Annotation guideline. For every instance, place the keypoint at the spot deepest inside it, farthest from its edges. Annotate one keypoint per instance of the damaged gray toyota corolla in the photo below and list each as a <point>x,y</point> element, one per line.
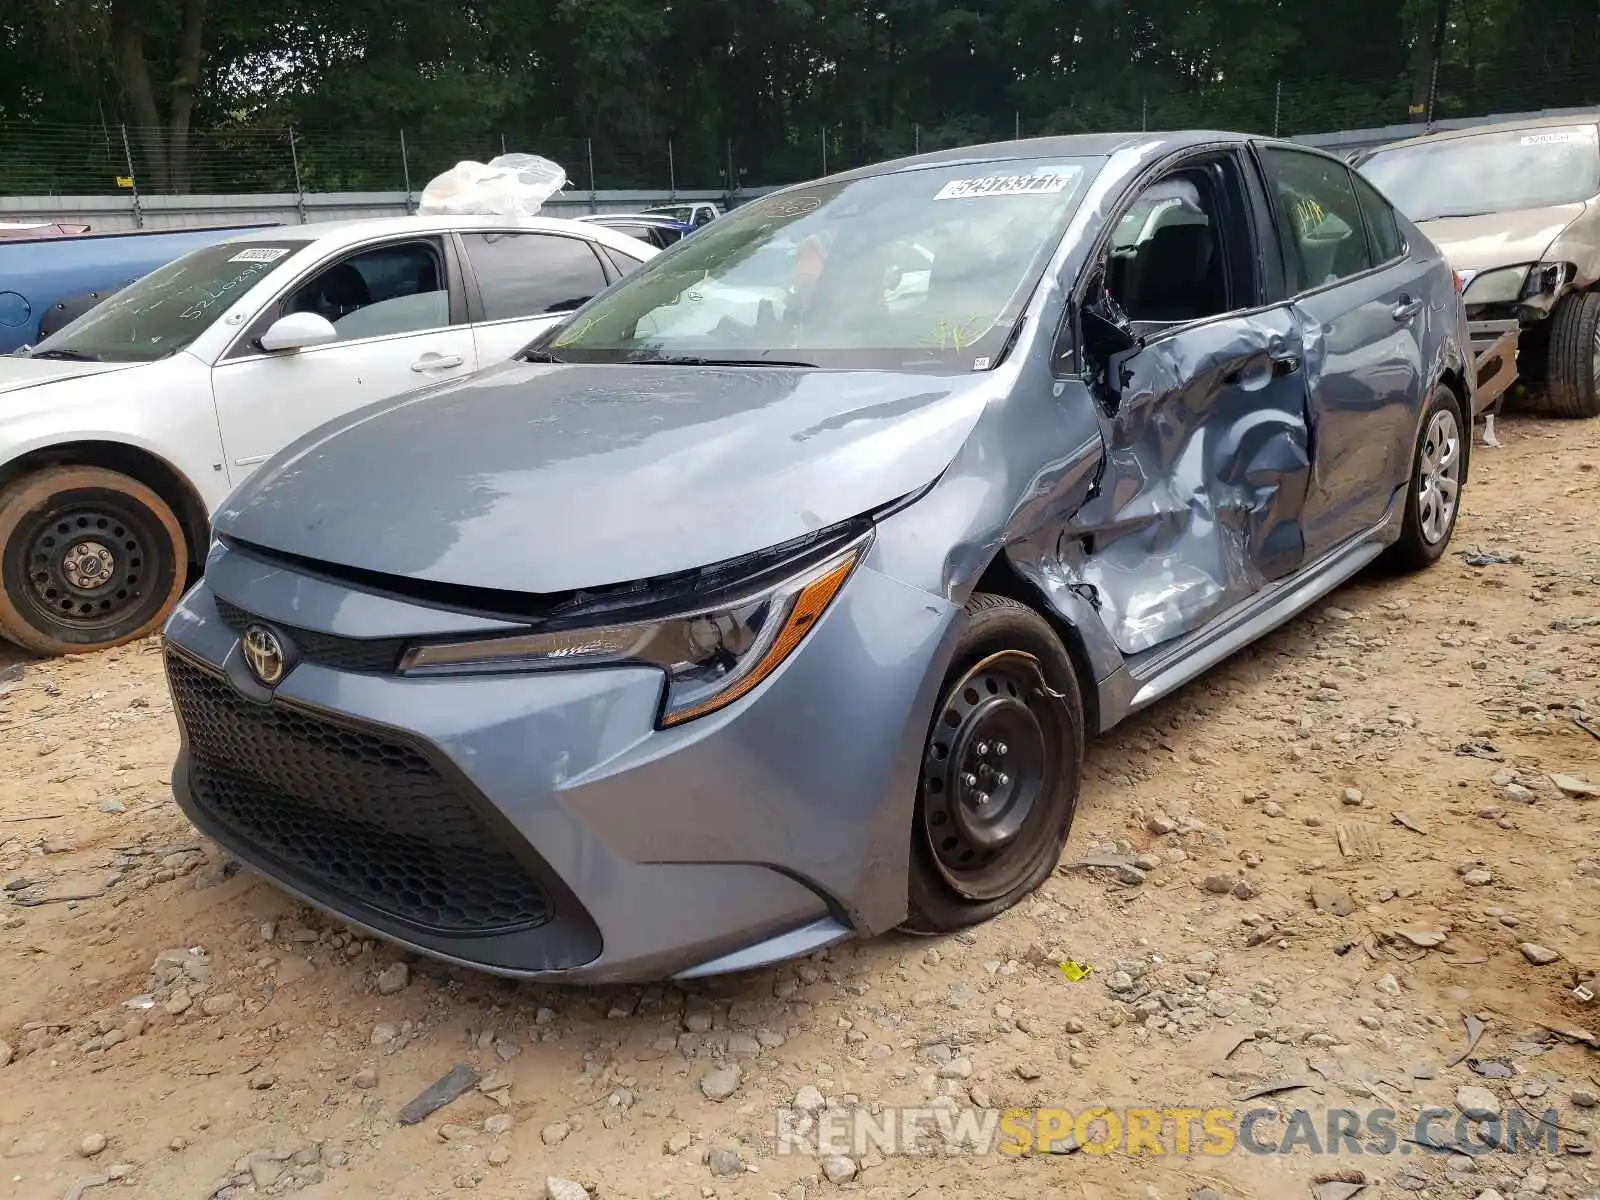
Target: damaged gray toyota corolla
<point>771,599</point>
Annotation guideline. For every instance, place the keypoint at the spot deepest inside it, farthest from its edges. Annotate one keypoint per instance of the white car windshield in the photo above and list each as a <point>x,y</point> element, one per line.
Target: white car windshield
<point>163,312</point>
<point>914,270</point>
<point>1491,172</point>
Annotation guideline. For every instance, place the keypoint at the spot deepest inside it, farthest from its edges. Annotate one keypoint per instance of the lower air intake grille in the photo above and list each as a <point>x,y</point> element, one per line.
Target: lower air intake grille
<point>357,813</point>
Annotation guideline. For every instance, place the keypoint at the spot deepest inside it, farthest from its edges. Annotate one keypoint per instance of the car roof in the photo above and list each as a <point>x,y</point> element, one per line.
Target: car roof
<point>352,232</point>
<point>1077,145</point>
<point>1453,135</point>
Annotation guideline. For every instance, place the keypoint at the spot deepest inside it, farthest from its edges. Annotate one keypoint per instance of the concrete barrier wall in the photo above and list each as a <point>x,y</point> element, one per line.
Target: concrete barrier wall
<point>109,214</point>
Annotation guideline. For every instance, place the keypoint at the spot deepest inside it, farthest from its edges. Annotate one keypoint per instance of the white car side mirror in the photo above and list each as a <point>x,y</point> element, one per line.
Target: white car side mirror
<point>299,331</point>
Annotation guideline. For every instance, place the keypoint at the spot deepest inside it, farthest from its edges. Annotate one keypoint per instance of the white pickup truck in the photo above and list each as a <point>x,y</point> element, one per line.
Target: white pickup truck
<point>122,433</point>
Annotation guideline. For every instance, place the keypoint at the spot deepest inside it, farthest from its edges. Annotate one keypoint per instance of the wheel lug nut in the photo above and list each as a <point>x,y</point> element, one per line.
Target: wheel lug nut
<point>1002,779</point>
<point>1000,749</point>
<point>982,797</point>
<point>970,779</point>
<point>983,748</point>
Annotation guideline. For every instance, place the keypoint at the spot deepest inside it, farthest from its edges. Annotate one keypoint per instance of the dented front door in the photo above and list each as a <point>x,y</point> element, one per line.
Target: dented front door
<point>1205,479</point>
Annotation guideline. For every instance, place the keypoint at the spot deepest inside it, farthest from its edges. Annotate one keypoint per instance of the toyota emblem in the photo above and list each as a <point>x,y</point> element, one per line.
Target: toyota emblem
<point>263,654</point>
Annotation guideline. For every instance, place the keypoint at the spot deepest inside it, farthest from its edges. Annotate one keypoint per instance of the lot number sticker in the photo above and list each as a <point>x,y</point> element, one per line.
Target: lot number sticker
<point>1003,185</point>
<point>260,254</point>
<point>1555,137</point>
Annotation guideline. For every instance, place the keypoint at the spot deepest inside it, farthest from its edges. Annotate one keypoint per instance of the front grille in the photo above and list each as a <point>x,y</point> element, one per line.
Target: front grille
<point>368,655</point>
<point>360,815</point>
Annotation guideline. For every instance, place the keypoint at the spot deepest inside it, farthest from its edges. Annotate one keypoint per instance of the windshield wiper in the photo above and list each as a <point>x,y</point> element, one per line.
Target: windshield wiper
<point>64,355</point>
<point>691,360</point>
<point>539,356</point>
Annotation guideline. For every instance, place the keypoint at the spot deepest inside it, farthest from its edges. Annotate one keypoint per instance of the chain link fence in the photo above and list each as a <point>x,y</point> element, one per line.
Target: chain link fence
<point>42,159</point>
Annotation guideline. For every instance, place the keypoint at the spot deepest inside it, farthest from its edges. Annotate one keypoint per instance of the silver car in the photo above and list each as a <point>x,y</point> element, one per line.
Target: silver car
<point>678,647</point>
<point>1516,209</point>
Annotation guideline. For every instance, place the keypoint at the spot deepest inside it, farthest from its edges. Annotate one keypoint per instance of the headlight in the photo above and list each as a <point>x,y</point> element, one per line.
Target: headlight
<point>1548,279</point>
<point>1503,286</point>
<point>711,656</point>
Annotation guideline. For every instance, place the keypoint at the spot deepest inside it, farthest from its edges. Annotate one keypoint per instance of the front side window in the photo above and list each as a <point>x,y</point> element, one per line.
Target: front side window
<point>1168,253</point>
<point>383,292</point>
<point>532,274</point>
<point>1321,217</point>
<point>164,312</point>
<point>1490,172</point>
<point>923,269</point>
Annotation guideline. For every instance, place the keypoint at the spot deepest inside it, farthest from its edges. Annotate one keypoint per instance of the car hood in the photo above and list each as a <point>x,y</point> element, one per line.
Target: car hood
<point>1482,243</point>
<point>548,478</point>
<point>19,373</point>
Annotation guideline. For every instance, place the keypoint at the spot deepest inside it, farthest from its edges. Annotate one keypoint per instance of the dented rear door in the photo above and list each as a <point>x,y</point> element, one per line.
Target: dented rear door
<point>1205,479</point>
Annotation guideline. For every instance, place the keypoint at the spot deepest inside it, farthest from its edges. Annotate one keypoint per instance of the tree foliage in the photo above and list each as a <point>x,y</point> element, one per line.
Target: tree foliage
<point>771,88</point>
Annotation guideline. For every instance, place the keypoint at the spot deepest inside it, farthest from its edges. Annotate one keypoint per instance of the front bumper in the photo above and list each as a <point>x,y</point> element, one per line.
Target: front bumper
<point>539,825</point>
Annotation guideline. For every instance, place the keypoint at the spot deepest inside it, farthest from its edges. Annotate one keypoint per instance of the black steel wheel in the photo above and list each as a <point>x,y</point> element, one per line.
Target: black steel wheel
<point>1000,773</point>
<point>89,559</point>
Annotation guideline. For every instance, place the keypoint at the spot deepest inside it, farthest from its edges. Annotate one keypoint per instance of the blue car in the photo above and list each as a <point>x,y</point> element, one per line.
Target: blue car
<point>47,283</point>
<point>659,232</point>
<point>771,599</point>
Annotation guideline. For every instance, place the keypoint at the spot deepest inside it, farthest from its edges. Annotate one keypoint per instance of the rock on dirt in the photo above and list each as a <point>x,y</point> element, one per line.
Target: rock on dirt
<point>838,1168</point>
<point>1539,956</point>
<point>393,978</point>
<point>721,1082</point>
<point>1476,1102</point>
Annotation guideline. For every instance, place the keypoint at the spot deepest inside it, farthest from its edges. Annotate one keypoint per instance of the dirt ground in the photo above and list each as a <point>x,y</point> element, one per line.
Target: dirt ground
<point>1328,861</point>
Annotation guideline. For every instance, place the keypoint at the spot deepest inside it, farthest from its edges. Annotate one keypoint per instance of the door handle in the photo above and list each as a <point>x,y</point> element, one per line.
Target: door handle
<point>1258,373</point>
<point>1406,309</point>
<point>436,362</point>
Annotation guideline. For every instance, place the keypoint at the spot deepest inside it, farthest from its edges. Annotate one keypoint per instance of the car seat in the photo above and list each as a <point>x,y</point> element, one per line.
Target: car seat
<point>1173,277</point>
<point>339,291</point>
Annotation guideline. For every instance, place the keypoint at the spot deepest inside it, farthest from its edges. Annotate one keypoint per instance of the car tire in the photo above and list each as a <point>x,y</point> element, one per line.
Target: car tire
<point>1572,372</point>
<point>89,558</point>
<point>1010,677</point>
<point>1426,528</point>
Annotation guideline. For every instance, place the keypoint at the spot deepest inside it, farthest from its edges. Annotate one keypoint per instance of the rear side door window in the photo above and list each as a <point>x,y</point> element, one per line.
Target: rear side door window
<point>624,264</point>
<point>1319,214</point>
<point>1382,227</point>
<point>532,274</point>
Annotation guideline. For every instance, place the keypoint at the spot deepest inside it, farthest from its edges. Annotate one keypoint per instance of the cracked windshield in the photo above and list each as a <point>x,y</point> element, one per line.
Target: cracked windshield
<point>917,270</point>
<point>165,311</point>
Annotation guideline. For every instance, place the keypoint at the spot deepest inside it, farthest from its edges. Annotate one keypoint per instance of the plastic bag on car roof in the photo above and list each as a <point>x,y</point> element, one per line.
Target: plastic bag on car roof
<point>511,185</point>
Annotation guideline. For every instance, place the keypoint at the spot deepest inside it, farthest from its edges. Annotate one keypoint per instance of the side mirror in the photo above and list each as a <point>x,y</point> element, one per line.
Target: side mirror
<point>298,331</point>
<point>1108,343</point>
<point>1105,337</point>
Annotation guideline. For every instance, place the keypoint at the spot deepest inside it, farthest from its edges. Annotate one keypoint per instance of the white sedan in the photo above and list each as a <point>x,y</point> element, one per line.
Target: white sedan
<point>122,432</point>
